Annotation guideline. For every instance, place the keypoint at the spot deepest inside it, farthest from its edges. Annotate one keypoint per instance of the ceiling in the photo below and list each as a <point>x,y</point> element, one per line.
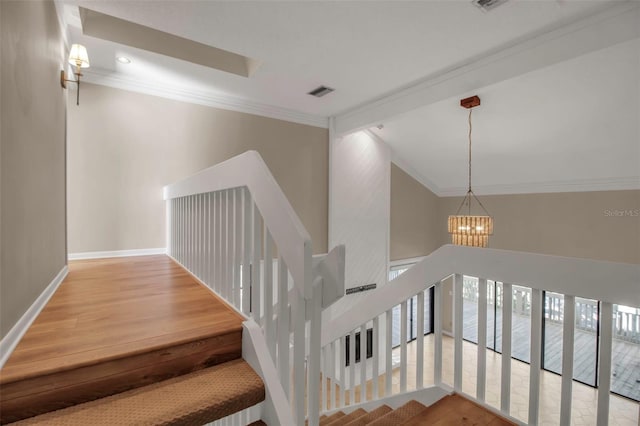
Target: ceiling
<point>579,111</point>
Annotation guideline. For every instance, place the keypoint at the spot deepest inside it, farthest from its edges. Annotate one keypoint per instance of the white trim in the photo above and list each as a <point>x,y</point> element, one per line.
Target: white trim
<point>566,275</point>
<point>578,185</point>
<point>216,100</point>
<point>117,253</point>
<point>407,261</point>
<point>10,341</point>
<point>552,44</point>
<point>276,408</point>
<point>426,396</point>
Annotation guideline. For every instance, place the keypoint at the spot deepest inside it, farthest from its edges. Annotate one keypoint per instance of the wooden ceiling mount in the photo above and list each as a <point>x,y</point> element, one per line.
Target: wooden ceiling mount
<point>471,102</point>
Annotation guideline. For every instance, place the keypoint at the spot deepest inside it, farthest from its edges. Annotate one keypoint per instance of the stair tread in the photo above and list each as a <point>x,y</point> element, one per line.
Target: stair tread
<point>195,398</point>
<point>370,416</point>
<point>349,417</point>
<point>400,414</point>
<point>114,325</point>
<point>157,305</point>
<point>455,409</point>
<point>331,418</point>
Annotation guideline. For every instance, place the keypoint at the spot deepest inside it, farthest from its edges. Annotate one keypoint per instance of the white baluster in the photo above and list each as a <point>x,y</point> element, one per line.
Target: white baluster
<point>420,342</point>
<point>375,359</point>
<point>218,231</point>
<point>268,293</point>
<point>332,381</point>
<point>363,362</point>
<point>482,339</point>
<point>534,356</point>
<point>283,325</point>
<point>568,333</point>
<point>256,304</point>
<point>604,356</point>
<point>325,369</point>
<point>247,206</point>
<point>237,283</point>
<point>343,362</point>
<point>314,354</point>
<point>212,240</point>
<point>299,318</point>
<point>232,247</point>
<point>352,367</point>
<point>403,346</point>
<point>437,334</point>
<point>389,361</point>
<point>457,334</point>
<point>505,392</point>
<point>225,283</point>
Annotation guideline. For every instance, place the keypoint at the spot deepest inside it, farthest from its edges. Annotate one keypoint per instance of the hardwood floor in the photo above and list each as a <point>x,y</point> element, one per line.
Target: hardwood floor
<point>116,324</point>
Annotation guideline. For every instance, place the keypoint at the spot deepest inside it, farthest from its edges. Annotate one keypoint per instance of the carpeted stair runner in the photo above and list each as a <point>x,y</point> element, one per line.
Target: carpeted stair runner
<point>193,399</point>
<point>348,418</point>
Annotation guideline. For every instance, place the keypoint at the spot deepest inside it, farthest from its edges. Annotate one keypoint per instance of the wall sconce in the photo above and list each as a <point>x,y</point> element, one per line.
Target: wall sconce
<point>79,58</point>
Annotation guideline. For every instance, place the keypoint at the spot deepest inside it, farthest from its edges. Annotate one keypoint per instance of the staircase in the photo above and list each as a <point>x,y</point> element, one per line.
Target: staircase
<point>129,341</point>
<point>451,410</point>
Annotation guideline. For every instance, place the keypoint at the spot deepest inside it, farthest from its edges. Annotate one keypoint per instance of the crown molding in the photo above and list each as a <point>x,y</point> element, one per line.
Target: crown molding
<point>232,103</point>
<point>582,185</point>
<point>557,43</point>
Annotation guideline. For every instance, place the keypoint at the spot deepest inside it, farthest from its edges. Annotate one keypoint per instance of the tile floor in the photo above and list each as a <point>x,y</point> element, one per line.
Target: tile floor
<point>622,411</point>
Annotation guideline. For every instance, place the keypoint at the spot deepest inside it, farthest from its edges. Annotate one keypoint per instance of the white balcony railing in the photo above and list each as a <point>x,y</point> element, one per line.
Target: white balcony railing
<point>524,276</point>
<point>225,225</point>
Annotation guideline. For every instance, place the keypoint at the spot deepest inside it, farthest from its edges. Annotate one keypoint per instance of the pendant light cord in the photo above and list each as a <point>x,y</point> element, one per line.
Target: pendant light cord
<point>470,128</point>
<point>470,193</point>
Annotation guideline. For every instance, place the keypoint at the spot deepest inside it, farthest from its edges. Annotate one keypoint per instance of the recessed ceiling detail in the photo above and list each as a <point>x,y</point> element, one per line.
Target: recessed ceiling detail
<point>121,31</point>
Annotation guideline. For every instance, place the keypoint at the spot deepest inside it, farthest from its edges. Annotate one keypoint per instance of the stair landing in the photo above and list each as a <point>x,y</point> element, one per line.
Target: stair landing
<point>114,325</point>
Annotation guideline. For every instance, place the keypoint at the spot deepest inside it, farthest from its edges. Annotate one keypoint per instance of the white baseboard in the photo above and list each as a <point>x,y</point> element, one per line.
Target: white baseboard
<point>117,253</point>
<point>9,342</point>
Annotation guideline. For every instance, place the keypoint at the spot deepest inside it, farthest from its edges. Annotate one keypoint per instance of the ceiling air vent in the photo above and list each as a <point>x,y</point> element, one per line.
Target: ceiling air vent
<point>319,92</point>
<point>487,5</point>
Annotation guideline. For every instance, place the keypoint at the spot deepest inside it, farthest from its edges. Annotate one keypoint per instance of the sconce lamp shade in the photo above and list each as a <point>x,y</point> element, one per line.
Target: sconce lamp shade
<point>78,56</point>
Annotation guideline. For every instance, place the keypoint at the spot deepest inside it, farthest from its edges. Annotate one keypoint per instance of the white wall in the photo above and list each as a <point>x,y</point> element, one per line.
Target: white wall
<point>359,174</point>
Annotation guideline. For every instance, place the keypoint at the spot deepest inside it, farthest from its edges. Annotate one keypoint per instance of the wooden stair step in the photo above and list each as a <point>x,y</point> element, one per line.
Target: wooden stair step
<point>400,414</point>
<point>257,423</point>
<point>370,416</point>
<point>455,409</point>
<point>196,398</point>
<point>331,418</point>
<point>114,325</point>
<point>349,417</point>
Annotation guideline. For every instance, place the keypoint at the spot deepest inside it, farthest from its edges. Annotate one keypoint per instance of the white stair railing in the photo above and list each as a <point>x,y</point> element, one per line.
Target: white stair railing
<point>224,225</point>
<point>569,276</point>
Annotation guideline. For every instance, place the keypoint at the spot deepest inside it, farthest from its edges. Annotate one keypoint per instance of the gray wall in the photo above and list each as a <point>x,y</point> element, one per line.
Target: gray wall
<point>576,224</point>
<point>125,146</point>
<point>415,228</point>
<point>32,206</point>
<point>590,225</point>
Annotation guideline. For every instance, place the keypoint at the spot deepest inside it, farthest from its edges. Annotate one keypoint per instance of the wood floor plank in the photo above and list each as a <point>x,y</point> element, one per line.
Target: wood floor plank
<point>116,324</point>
